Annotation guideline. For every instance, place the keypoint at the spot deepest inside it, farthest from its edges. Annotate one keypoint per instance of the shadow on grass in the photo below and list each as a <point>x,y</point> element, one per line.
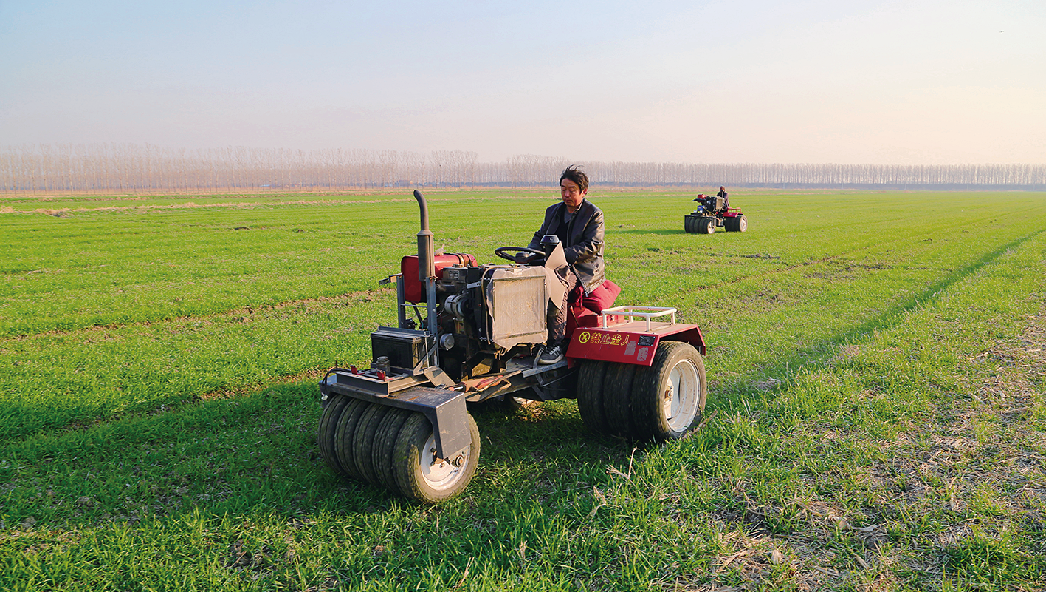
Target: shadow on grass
<point>258,452</point>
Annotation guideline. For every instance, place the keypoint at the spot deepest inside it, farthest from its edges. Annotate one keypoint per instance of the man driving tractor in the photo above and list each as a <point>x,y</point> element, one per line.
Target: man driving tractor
<point>580,228</point>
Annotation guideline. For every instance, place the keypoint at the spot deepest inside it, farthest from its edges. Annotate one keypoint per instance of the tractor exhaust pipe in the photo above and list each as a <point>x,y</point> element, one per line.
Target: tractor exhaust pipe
<point>426,249</point>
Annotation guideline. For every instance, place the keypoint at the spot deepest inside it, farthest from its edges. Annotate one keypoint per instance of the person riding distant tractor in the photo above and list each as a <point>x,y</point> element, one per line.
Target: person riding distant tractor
<point>581,230</point>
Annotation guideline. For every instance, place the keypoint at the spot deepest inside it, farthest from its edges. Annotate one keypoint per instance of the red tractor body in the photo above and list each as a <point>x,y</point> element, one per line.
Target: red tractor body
<point>471,332</point>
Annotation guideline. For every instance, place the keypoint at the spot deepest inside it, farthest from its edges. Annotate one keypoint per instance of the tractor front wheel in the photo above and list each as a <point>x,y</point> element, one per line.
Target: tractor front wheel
<point>345,437</point>
<point>325,436</point>
<point>706,226</point>
<point>419,473</point>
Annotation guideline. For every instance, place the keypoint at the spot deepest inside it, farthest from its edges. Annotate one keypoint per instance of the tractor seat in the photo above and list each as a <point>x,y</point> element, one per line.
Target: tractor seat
<point>602,297</point>
<point>585,310</point>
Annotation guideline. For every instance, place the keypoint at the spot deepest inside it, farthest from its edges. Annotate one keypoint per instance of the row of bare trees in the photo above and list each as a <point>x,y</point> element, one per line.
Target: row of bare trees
<point>131,168</point>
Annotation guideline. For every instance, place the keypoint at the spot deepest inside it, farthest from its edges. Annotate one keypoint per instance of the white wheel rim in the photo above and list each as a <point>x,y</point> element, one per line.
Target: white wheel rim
<point>679,401</point>
<point>742,225</point>
<point>441,474</point>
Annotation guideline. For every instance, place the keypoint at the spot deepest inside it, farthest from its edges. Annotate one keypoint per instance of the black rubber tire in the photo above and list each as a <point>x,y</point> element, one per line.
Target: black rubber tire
<point>663,410</point>
<point>590,395</point>
<point>414,445</point>
<point>346,434</point>
<point>384,442</point>
<point>617,399</point>
<point>690,224</point>
<point>328,429</point>
<point>730,224</point>
<point>742,223</point>
<point>706,226</point>
<point>363,441</point>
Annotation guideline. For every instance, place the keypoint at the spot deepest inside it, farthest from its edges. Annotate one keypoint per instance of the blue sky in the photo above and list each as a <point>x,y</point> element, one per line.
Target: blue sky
<point>745,81</point>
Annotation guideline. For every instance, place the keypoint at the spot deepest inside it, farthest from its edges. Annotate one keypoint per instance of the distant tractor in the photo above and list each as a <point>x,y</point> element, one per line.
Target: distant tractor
<point>711,212</point>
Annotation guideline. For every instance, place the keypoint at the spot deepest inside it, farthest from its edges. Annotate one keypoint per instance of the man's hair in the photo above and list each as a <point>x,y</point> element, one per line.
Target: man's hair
<point>575,174</point>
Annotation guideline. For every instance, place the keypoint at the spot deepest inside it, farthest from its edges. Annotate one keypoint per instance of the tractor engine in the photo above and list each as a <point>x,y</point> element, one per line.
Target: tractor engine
<point>709,204</point>
<point>485,314</point>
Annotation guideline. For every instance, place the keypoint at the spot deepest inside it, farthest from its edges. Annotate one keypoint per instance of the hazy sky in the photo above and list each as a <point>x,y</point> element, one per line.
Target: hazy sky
<point>740,81</point>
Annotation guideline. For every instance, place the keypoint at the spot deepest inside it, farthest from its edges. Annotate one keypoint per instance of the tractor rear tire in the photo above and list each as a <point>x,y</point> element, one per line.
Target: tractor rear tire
<point>345,435</point>
<point>617,399</point>
<point>668,397</point>
<point>414,466</point>
<point>730,224</point>
<point>742,223</point>
<point>706,226</point>
<point>328,429</point>
<point>590,395</point>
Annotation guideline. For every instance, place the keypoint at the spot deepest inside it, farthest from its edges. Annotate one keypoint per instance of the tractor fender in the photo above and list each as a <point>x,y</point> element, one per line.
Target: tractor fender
<point>628,347</point>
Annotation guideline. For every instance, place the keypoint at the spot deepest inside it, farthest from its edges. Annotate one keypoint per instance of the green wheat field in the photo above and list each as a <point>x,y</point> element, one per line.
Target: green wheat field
<point>876,416</point>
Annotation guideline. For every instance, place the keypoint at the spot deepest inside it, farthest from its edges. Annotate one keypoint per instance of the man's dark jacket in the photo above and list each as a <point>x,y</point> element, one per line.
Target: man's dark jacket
<point>583,246</point>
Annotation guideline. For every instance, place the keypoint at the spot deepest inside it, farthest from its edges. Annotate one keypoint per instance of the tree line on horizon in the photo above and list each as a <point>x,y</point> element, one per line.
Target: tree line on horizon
<point>132,168</point>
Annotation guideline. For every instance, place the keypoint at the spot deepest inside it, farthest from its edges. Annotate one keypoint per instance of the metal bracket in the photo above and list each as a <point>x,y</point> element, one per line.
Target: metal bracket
<point>438,377</point>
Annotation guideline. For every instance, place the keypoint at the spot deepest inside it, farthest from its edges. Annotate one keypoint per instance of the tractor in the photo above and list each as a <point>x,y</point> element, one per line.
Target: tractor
<point>712,213</point>
<point>468,333</point>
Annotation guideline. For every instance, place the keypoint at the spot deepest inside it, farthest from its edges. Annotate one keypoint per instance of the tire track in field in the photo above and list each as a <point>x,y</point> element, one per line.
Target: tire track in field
<point>768,272</point>
<point>160,408</point>
<point>246,312</point>
<point>788,268</point>
<point>820,352</point>
<point>826,259</point>
<point>36,357</point>
<point>935,289</point>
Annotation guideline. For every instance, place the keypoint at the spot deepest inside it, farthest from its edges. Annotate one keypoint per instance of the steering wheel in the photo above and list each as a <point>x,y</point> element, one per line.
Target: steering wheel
<point>502,252</point>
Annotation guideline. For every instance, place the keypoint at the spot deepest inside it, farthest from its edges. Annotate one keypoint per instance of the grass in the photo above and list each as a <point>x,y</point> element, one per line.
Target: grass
<point>876,413</point>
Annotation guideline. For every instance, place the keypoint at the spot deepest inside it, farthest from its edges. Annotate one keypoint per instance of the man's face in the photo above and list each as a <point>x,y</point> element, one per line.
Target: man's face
<point>571,194</point>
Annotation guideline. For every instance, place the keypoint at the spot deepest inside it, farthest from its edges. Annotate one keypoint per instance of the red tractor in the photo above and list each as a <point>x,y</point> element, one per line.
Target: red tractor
<point>711,213</point>
<point>471,332</point>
